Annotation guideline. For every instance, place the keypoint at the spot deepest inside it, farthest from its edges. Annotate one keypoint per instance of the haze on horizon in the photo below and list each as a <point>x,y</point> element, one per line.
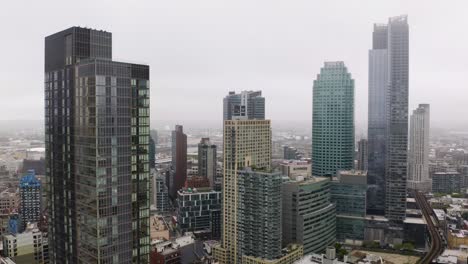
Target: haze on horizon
<point>200,50</point>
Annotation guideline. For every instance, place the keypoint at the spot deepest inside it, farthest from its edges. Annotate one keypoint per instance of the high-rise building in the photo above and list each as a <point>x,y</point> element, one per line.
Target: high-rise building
<point>309,217</point>
<point>447,182</point>
<point>333,120</point>
<point>247,143</point>
<point>348,193</point>
<point>377,120</point>
<point>31,194</point>
<point>418,156</point>
<point>250,227</point>
<point>207,160</point>
<point>97,133</point>
<point>362,155</point>
<point>179,161</point>
<point>259,211</point>
<point>248,104</point>
<point>397,119</point>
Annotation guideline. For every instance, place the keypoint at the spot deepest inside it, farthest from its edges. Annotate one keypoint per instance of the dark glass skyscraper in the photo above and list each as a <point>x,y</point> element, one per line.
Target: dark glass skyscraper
<point>97,134</point>
<point>377,126</point>
<point>397,119</point>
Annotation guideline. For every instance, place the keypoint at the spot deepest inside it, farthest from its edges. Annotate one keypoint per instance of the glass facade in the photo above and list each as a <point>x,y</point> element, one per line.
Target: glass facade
<point>333,120</point>
<point>97,123</point>
<point>309,217</point>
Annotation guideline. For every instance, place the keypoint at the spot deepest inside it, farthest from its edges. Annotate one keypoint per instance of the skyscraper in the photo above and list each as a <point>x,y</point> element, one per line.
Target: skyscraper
<point>152,152</point>
<point>362,163</point>
<point>179,161</point>
<point>207,160</point>
<point>418,156</point>
<point>377,118</point>
<point>97,133</point>
<point>249,104</point>
<point>397,119</point>
<point>247,143</point>
<point>333,120</point>
<point>31,194</point>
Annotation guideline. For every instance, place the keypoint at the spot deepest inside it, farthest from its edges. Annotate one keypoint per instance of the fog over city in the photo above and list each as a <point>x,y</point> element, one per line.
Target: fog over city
<point>200,50</point>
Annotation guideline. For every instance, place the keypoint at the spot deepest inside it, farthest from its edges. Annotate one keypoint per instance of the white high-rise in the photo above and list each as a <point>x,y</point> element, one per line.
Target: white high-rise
<point>418,156</point>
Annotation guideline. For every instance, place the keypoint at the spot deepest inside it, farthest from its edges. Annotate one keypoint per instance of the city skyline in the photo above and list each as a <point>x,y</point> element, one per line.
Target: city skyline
<point>292,49</point>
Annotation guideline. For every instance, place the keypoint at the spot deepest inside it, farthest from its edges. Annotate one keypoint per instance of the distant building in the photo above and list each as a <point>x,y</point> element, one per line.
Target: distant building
<point>198,210</point>
<point>197,182</point>
<point>9,199</point>
<point>247,104</point>
<point>207,160</point>
<point>296,169</point>
<point>179,161</point>
<point>447,182</point>
<point>362,155</point>
<point>348,193</point>
<point>31,194</point>
<point>333,120</point>
<point>259,200</point>
<point>37,165</point>
<point>26,247</point>
<point>418,155</point>
<point>290,153</point>
<point>309,217</point>
<point>160,193</point>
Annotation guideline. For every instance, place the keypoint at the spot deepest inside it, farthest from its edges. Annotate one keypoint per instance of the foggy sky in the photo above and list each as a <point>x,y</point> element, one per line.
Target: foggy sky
<point>199,50</point>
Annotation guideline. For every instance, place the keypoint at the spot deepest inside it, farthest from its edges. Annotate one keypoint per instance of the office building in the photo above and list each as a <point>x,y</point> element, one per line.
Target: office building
<point>309,217</point>
<point>31,194</point>
<point>247,104</point>
<point>259,199</point>
<point>348,193</point>
<point>179,161</point>
<point>333,120</point>
<point>198,210</point>
<point>377,120</point>
<point>207,160</point>
<point>447,182</point>
<point>295,169</point>
<point>97,134</point>
<point>362,155</point>
<point>26,247</point>
<point>418,156</point>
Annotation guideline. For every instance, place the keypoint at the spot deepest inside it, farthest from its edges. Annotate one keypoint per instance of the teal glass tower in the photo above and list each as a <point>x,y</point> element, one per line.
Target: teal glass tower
<point>333,120</point>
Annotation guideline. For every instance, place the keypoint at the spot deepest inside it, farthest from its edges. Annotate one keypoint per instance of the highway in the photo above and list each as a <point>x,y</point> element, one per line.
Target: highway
<point>437,242</point>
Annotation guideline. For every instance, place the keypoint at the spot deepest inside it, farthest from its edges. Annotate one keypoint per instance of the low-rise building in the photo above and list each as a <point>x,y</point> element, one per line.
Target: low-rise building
<point>26,247</point>
<point>296,169</point>
<point>9,199</point>
<point>159,229</point>
<point>289,255</point>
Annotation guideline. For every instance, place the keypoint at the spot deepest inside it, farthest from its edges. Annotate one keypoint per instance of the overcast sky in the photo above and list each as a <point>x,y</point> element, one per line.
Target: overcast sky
<point>199,50</point>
